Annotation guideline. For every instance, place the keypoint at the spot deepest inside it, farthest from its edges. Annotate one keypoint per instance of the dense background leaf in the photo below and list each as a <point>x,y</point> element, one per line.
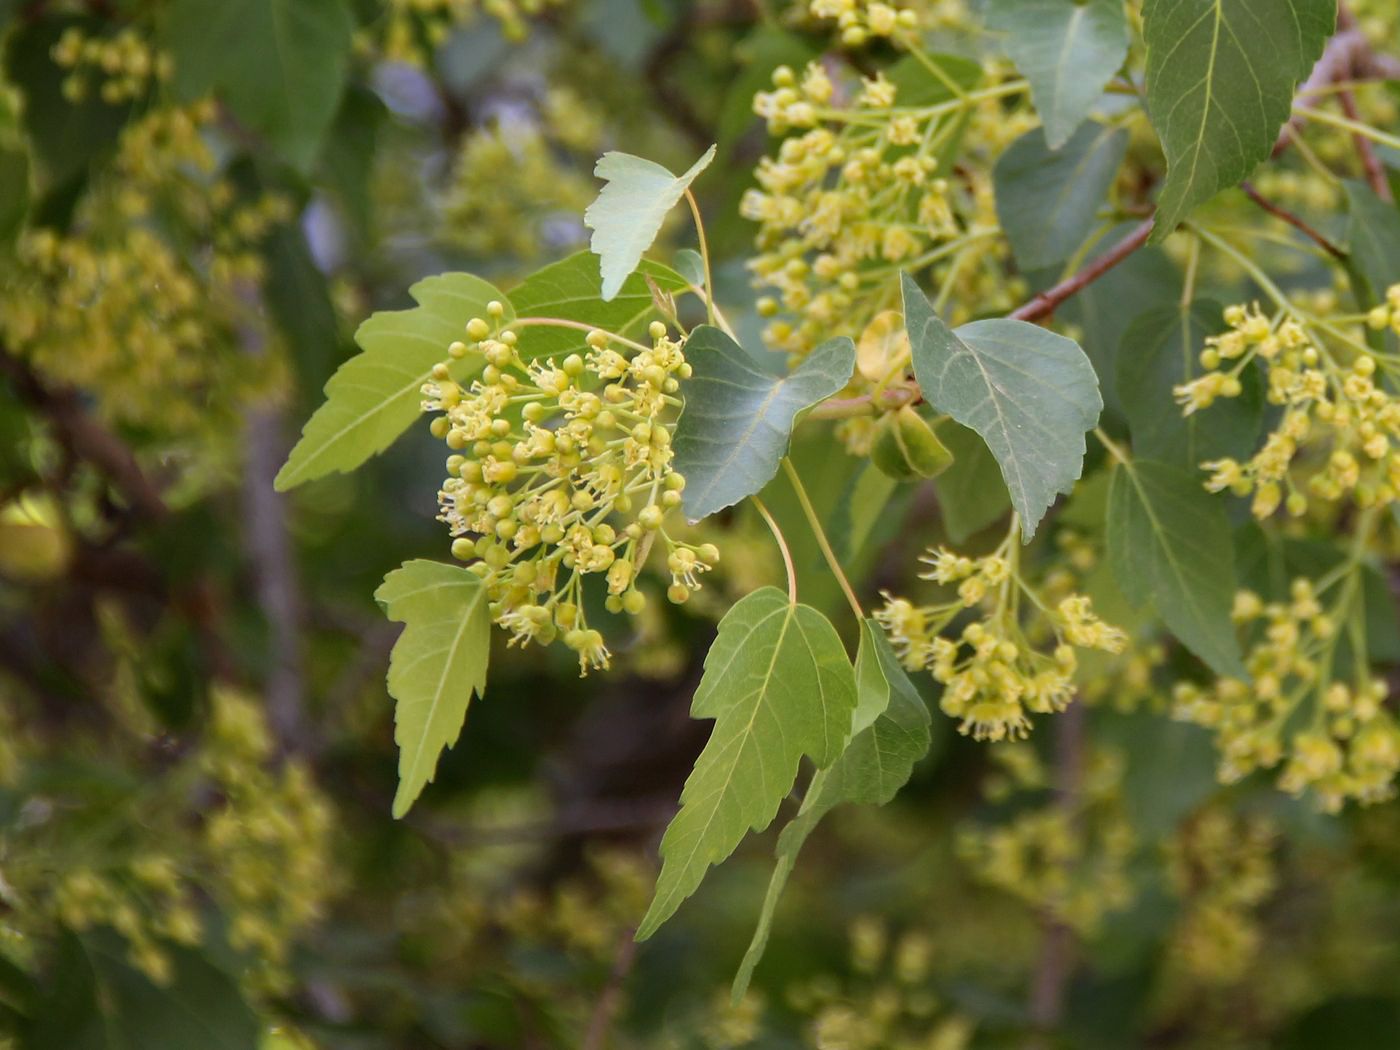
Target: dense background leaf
<point>222,45</point>
<point>1067,49</point>
<point>738,419</point>
<point>1169,543</point>
<point>1047,199</point>
<point>1220,81</point>
<point>1160,350</point>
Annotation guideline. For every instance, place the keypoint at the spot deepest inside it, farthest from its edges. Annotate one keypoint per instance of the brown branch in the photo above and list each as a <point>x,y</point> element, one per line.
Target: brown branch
<point>1348,55</point>
<point>1292,220</point>
<point>269,549</point>
<point>1375,172</point>
<point>1055,965</point>
<point>1045,303</point>
<point>85,437</point>
<point>1036,308</point>
<point>611,996</point>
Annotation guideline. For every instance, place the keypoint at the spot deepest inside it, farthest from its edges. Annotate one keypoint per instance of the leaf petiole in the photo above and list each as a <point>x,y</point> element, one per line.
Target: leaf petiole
<point>820,535</point>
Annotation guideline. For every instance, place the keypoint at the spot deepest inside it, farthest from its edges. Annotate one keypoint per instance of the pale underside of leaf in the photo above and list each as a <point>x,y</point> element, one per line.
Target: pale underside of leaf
<point>629,210</point>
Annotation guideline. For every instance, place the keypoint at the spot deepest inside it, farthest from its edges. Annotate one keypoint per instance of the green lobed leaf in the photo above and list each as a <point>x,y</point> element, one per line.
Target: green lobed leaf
<point>889,735</point>
<point>738,419</point>
<point>1067,49</point>
<point>1159,352</point>
<point>1047,199</point>
<point>279,64</point>
<point>1169,542</point>
<point>1220,81</point>
<point>376,395</point>
<point>1030,394</point>
<point>779,686</point>
<point>437,664</point>
<point>629,211</point>
<point>571,290</point>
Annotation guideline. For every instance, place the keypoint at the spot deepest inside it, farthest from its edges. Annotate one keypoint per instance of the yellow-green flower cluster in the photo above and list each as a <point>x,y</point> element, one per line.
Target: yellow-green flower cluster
<point>139,301</point>
<point>1222,868</point>
<point>125,64</point>
<point>413,29</point>
<point>991,672</point>
<point>1335,738</point>
<point>1068,861</point>
<point>516,194</point>
<point>267,845</point>
<point>147,899</point>
<point>859,20</point>
<point>1340,424</point>
<point>887,1003</point>
<point>561,469</point>
<point>859,194</point>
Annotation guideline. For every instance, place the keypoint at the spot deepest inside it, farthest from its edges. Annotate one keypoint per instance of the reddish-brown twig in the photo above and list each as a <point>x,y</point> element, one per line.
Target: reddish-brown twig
<point>1045,303</point>
<point>1292,220</point>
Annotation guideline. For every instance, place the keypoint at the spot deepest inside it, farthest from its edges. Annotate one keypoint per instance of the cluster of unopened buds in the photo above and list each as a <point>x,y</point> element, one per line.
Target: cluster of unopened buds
<point>125,64</point>
<point>1222,868</point>
<point>1070,862</point>
<point>991,673</point>
<point>1387,314</point>
<point>1337,737</point>
<point>1344,411</point>
<point>561,470</point>
<point>834,200</point>
<point>859,20</point>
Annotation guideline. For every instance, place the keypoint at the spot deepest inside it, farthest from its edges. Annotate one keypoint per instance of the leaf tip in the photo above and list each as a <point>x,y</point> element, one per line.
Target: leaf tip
<point>404,798</point>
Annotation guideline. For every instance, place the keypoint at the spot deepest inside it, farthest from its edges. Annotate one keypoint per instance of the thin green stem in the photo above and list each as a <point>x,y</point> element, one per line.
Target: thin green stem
<point>1356,127</point>
<point>1114,449</point>
<point>810,513</point>
<point>1188,282</point>
<point>704,255</point>
<point>931,64</point>
<point>559,322</point>
<point>782,546</point>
